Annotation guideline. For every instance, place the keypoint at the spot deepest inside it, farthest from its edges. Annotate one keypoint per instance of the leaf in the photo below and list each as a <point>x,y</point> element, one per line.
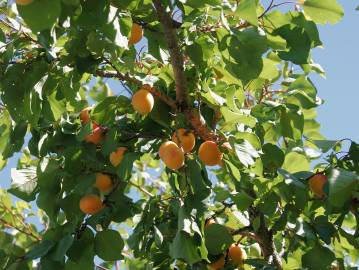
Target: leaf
<point>325,145</point>
<point>109,245</point>
<point>296,162</point>
<point>311,261</point>
<point>273,157</point>
<point>183,248</point>
<point>24,182</point>
<point>62,247</point>
<point>218,239</point>
<point>39,250</point>
<point>246,153</point>
<point>50,10</point>
<point>341,185</point>
<point>58,107</point>
<point>242,200</point>
<point>158,236</point>
<point>323,12</point>
<point>247,11</point>
<point>124,170</point>
<point>199,184</point>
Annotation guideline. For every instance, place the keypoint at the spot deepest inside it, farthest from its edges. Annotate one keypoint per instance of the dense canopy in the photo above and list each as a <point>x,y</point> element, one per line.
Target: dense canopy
<point>170,134</point>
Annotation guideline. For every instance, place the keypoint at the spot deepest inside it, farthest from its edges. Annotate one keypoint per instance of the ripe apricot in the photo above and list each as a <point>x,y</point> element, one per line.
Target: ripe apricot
<point>219,264</point>
<point>236,254</point>
<point>184,139</point>
<point>172,156</point>
<point>316,184</point>
<point>117,156</point>
<point>165,147</point>
<point>96,136</point>
<point>209,222</point>
<point>103,182</point>
<point>136,34</point>
<point>85,115</point>
<point>143,101</point>
<point>91,204</point>
<point>23,2</point>
<point>209,153</point>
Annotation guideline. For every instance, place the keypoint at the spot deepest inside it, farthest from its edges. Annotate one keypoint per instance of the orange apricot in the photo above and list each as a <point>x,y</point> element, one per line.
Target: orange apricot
<point>96,136</point>
<point>23,2</point>
<point>103,182</point>
<point>219,264</point>
<point>143,101</point>
<point>173,157</point>
<point>165,147</point>
<point>236,254</point>
<point>185,139</point>
<point>91,204</point>
<point>117,156</point>
<point>209,153</point>
<point>85,115</point>
<point>136,34</point>
<point>316,184</point>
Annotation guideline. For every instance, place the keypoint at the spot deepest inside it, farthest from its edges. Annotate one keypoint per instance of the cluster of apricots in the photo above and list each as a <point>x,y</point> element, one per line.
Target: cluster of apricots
<point>172,153</point>
<point>92,203</point>
<point>234,253</point>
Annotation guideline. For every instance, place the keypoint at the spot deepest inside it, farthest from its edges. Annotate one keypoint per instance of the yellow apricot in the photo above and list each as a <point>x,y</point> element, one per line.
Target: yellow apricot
<point>91,204</point>
<point>316,184</point>
<point>209,153</point>
<point>237,254</point>
<point>173,157</point>
<point>117,156</point>
<point>103,182</point>
<point>23,2</point>
<point>136,34</point>
<point>143,101</point>
<point>219,264</point>
<point>186,139</point>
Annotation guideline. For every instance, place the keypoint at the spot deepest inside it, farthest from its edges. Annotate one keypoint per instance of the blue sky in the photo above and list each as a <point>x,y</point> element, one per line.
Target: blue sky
<point>340,59</point>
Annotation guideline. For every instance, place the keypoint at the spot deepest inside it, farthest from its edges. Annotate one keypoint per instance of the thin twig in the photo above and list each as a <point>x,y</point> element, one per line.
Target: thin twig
<point>27,232</point>
<point>141,189</point>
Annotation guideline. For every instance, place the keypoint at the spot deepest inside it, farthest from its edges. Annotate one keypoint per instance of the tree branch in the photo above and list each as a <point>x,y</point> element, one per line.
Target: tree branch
<point>175,54</point>
<point>27,231</point>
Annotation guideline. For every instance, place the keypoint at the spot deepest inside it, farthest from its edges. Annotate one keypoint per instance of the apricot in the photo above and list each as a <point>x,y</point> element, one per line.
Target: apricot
<point>316,184</point>
<point>209,222</point>
<point>136,34</point>
<point>96,136</point>
<point>117,156</point>
<point>23,2</point>
<point>91,204</point>
<point>237,254</point>
<point>219,264</point>
<point>143,101</point>
<point>173,157</point>
<point>209,153</point>
<point>165,147</point>
<point>85,115</point>
<point>103,182</point>
<point>185,139</point>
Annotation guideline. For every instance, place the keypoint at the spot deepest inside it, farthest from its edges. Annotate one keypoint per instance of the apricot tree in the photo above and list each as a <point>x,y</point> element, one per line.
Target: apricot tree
<point>173,134</point>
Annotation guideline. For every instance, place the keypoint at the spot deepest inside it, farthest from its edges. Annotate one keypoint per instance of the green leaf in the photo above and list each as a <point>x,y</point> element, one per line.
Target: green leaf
<point>218,239</point>
<point>242,200</point>
<point>62,247</point>
<point>246,153</point>
<point>124,170</point>
<point>325,145</point>
<point>50,10</point>
<point>197,180</point>
<point>58,106</point>
<point>311,258</point>
<point>341,185</point>
<point>184,248</point>
<point>273,157</point>
<point>323,12</point>
<point>246,10</point>
<point>109,245</point>
<point>24,183</point>
<point>39,250</point>
<point>296,162</point>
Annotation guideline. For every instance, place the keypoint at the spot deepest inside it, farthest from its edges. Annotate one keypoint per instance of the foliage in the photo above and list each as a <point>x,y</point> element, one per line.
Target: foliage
<point>234,72</point>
